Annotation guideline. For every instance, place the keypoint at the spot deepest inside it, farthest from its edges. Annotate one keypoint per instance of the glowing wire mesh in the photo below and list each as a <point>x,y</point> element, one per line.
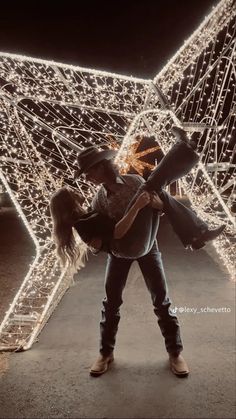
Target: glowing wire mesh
<point>50,111</point>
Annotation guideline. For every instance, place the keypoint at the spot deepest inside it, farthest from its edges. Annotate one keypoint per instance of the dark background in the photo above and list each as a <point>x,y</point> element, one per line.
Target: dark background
<point>128,37</point>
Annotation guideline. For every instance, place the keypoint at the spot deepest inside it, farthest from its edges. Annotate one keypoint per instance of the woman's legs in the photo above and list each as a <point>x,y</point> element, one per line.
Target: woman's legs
<point>141,236</point>
<point>176,163</point>
<point>186,224</point>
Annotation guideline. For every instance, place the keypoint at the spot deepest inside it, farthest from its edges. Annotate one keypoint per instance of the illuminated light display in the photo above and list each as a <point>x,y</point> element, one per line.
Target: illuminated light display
<point>50,111</point>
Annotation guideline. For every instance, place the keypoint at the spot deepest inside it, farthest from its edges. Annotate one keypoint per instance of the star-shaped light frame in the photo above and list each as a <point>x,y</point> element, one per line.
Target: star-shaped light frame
<point>50,111</point>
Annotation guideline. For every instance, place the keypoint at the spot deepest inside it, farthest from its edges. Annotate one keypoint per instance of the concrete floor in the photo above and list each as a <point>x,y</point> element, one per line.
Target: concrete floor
<point>52,381</point>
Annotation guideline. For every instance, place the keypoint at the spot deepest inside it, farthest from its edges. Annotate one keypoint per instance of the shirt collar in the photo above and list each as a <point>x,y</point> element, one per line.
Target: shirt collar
<point>119,180</point>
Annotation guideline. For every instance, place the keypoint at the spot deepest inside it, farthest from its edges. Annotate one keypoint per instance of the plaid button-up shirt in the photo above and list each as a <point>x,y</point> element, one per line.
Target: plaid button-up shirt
<point>114,203</point>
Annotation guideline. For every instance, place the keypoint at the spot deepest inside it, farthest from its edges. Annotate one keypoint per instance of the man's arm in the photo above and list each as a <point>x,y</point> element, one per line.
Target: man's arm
<point>126,222</point>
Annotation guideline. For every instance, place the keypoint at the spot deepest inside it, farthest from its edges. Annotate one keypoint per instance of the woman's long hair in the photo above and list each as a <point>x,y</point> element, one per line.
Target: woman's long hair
<point>63,208</point>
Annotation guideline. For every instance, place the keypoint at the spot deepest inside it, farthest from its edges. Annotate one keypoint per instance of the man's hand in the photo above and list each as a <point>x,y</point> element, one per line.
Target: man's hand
<point>155,201</point>
<point>142,200</point>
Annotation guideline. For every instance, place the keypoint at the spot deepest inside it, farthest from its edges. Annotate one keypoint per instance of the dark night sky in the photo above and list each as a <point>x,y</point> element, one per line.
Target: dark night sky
<point>128,37</point>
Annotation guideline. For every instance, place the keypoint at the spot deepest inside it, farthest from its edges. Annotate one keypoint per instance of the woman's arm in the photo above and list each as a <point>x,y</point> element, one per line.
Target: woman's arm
<point>126,222</point>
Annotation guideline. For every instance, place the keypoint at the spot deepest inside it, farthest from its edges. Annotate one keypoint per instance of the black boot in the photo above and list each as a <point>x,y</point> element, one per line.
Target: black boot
<point>181,135</point>
<point>207,236</point>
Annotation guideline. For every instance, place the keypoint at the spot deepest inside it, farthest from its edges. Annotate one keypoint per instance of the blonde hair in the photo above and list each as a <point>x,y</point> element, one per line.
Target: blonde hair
<point>63,208</point>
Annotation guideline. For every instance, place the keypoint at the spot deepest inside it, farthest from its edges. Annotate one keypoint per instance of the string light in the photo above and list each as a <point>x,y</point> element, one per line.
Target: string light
<point>50,111</point>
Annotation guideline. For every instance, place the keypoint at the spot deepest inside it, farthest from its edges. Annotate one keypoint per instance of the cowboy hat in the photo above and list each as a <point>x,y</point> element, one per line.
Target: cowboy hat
<point>91,156</point>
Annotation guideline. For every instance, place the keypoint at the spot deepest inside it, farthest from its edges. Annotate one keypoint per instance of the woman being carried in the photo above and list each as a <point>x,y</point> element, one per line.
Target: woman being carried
<point>134,235</point>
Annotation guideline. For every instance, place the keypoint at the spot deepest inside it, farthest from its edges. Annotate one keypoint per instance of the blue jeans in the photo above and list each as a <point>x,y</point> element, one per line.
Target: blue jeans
<point>177,163</point>
<point>184,221</point>
<point>153,272</point>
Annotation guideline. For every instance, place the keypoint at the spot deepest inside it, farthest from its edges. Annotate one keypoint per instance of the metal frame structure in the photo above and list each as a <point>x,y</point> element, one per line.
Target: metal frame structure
<point>50,111</point>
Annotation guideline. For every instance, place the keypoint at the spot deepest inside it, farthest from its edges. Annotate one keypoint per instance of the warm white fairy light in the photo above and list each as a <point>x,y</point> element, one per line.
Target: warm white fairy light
<point>199,83</point>
<point>49,111</point>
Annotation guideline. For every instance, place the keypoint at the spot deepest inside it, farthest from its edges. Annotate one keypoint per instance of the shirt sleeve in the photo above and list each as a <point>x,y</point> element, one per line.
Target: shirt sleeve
<point>98,203</point>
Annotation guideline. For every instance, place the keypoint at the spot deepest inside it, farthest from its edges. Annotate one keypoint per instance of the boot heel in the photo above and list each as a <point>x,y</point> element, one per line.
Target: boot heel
<point>197,244</point>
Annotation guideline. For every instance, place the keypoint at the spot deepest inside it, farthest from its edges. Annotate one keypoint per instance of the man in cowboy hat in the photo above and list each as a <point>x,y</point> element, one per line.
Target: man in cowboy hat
<point>113,197</point>
<point>89,158</point>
